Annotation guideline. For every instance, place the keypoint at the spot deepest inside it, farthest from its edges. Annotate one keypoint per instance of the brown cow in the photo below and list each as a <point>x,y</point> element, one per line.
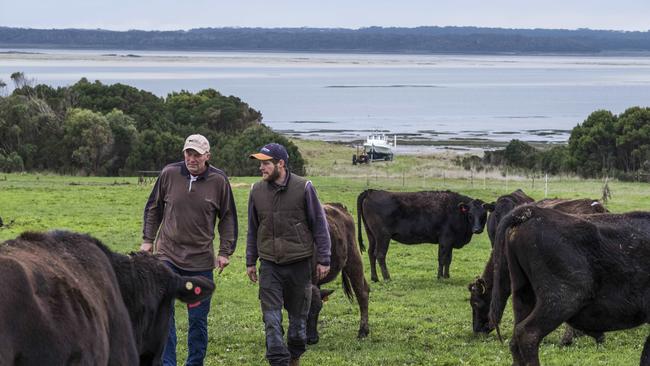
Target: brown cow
<point>345,259</point>
<point>66,299</point>
<point>481,289</point>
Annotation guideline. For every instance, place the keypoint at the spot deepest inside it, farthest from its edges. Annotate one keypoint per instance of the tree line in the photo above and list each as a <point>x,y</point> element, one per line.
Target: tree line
<point>371,39</point>
<point>98,129</point>
<point>603,145</point>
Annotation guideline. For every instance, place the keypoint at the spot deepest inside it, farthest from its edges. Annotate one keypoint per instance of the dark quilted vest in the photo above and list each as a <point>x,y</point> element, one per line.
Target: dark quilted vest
<point>283,235</point>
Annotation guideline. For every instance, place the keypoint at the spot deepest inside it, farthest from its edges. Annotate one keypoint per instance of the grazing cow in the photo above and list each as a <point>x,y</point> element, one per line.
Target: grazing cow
<point>481,289</point>
<point>443,217</point>
<point>346,259</point>
<point>501,207</point>
<point>68,300</point>
<point>591,271</point>
<point>580,206</point>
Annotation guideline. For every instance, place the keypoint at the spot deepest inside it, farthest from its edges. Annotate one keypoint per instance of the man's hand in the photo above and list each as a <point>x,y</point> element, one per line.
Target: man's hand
<point>322,271</point>
<point>146,247</point>
<point>221,262</point>
<point>251,271</point>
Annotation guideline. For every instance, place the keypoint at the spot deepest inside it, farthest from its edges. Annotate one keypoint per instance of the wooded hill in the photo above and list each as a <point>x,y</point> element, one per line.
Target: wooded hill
<point>372,40</point>
<point>97,129</point>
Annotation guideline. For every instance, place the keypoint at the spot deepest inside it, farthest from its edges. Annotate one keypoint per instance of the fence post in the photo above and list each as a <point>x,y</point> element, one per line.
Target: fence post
<point>546,185</point>
<point>484,179</point>
<point>533,184</point>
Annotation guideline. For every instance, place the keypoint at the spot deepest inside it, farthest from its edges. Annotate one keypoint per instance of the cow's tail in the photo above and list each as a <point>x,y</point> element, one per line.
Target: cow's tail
<point>501,276</point>
<point>360,199</point>
<point>347,287</point>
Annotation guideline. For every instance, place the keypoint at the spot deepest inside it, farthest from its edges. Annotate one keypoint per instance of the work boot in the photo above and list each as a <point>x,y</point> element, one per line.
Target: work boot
<point>294,362</point>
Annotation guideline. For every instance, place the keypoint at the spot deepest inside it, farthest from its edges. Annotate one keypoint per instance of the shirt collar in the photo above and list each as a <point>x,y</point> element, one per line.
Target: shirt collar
<point>186,172</point>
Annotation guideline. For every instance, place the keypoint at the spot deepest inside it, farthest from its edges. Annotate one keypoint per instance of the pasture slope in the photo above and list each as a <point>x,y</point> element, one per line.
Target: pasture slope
<point>414,319</point>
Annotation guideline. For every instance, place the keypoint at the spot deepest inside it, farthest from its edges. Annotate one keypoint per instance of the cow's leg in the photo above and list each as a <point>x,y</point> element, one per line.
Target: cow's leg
<point>354,271</point>
<point>448,262</point>
<point>570,333</point>
<point>523,302</point>
<point>382,250</point>
<point>312,318</point>
<point>645,355</point>
<point>372,256</point>
<point>527,336</point>
<point>444,259</point>
<point>599,337</point>
<point>534,317</point>
<point>545,317</point>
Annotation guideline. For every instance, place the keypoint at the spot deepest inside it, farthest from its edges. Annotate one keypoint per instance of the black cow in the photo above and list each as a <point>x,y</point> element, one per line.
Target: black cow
<point>345,259</point>
<point>481,289</point>
<point>443,217</point>
<point>580,206</point>
<point>591,271</point>
<point>66,299</point>
<point>501,207</point>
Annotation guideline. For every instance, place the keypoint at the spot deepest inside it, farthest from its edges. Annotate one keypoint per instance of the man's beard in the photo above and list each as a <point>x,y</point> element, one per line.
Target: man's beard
<point>275,174</point>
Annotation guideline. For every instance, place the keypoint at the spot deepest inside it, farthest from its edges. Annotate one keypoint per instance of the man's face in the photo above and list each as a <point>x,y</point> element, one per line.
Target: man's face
<point>195,162</point>
<point>270,171</point>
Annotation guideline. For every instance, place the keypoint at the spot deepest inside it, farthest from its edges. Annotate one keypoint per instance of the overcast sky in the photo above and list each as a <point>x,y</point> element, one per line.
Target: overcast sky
<point>187,14</point>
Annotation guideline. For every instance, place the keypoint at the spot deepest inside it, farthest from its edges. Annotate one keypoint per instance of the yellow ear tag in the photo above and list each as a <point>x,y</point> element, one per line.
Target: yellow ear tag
<point>189,285</point>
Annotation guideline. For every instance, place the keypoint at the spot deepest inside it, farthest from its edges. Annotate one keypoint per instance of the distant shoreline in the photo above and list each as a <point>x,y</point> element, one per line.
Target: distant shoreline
<point>446,40</point>
<point>15,49</point>
<point>418,146</point>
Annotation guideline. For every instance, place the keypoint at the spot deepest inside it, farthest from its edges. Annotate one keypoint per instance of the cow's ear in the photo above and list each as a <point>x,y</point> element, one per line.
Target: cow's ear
<point>489,206</point>
<point>463,207</point>
<point>193,289</point>
<point>324,294</point>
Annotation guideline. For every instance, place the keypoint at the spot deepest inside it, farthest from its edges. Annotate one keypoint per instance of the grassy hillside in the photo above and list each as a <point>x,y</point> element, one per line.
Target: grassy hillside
<point>414,319</point>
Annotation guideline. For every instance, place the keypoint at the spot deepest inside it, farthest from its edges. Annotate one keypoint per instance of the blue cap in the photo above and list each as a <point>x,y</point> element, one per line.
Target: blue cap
<point>272,151</point>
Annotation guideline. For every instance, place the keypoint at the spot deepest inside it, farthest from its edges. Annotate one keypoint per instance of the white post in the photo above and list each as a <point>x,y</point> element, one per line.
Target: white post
<point>484,178</point>
<point>546,186</point>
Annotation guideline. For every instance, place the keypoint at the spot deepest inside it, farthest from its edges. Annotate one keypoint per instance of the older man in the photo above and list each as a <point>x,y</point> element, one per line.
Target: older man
<point>179,220</point>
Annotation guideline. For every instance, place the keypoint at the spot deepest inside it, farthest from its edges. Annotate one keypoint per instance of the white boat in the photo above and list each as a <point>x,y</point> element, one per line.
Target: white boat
<point>378,146</point>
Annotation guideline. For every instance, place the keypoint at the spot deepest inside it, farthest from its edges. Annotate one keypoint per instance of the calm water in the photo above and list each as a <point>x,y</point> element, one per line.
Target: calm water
<point>342,97</point>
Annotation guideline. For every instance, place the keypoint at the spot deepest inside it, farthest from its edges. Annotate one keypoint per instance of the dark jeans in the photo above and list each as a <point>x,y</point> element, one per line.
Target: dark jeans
<point>289,286</point>
<point>197,337</point>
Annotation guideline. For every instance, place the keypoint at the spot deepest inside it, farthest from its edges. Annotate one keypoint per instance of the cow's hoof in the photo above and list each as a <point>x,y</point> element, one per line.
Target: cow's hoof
<point>312,340</point>
<point>363,333</point>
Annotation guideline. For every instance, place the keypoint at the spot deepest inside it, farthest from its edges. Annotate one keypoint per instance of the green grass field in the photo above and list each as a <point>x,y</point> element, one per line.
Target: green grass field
<point>414,319</point>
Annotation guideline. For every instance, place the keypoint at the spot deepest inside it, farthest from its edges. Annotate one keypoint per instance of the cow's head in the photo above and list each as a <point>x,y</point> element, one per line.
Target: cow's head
<point>476,213</point>
<point>149,288</point>
<point>479,299</point>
